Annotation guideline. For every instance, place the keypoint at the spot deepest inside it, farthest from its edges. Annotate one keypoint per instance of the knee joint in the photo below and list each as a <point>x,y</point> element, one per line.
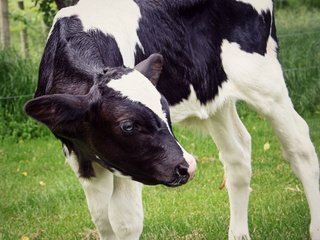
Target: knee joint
<point>127,230</point>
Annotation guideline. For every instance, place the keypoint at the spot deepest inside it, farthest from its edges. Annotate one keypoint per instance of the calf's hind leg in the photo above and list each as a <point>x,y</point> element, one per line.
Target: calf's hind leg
<point>298,150</point>
<point>266,91</point>
<point>258,80</point>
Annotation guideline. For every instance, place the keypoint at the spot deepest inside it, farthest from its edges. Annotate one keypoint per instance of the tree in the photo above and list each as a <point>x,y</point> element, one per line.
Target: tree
<point>65,3</point>
<point>24,33</point>
<point>4,24</point>
<point>49,10</point>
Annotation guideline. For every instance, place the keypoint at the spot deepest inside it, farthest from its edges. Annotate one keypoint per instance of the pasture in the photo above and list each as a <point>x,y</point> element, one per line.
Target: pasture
<point>40,197</point>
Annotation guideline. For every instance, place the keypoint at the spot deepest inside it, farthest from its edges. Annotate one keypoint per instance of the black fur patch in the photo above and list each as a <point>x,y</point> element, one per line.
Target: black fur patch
<point>189,35</point>
<point>73,57</point>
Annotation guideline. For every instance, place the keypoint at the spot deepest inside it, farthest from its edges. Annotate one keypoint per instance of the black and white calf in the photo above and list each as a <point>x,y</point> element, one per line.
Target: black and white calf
<point>110,118</point>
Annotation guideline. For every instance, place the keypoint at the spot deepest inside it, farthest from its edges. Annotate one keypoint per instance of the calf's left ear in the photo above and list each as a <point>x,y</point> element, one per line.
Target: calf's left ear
<point>151,67</point>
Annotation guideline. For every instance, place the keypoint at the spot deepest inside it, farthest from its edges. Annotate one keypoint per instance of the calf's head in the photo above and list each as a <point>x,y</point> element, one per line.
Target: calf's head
<point>123,123</point>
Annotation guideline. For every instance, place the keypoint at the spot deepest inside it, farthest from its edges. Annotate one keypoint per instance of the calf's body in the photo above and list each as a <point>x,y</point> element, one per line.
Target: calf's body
<point>215,52</point>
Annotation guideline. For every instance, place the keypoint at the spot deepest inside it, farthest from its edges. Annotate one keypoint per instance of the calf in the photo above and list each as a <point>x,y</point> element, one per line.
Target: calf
<point>215,52</point>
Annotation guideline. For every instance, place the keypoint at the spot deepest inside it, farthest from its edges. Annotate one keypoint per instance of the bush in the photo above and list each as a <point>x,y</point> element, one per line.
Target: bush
<point>18,78</point>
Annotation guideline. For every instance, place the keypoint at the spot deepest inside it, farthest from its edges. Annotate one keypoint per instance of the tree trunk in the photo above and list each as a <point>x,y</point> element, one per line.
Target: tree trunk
<point>23,34</point>
<point>4,24</point>
<point>66,3</point>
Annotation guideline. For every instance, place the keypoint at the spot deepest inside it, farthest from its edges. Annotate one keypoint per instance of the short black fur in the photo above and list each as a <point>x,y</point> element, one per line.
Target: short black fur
<point>189,35</point>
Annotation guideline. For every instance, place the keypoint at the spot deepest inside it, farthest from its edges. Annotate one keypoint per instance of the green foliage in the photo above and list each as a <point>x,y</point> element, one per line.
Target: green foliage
<point>299,37</point>
<point>32,19</point>
<point>18,79</point>
<point>48,9</point>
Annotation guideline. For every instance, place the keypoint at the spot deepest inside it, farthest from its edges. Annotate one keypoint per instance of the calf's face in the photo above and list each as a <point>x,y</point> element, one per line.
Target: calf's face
<point>123,123</point>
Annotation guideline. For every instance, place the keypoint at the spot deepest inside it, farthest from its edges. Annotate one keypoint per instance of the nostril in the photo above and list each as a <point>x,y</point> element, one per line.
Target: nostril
<point>182,170</point>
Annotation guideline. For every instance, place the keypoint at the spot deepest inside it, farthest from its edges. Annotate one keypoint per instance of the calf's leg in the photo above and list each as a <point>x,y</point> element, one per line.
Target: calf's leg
<point>234,144</point>
<point>298,150</point>
<point>115,203</point>
<point>126,210</point>
<point>98,191</point>
<point>258,80</point>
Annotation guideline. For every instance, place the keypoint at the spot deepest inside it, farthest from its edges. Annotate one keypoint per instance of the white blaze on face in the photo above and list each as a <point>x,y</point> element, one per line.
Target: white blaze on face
<point>137,88</point>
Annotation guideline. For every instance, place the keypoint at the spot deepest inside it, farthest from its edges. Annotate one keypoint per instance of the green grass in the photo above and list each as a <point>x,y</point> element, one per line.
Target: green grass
<point>292,4</point>
<point>198,210</point>
<point>52,211</point>
<point>299,39</point>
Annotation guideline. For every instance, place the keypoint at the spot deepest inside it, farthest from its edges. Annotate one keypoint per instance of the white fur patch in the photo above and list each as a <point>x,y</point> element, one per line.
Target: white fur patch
<point>259,5</point>
<point>192,107</point>
<point>119,174</point>
<point>72,159</point>
<point>272,47</point>
<point>138,88</point>
<point>253,75</point>
<point>245,81</point>
<point>117,18</point>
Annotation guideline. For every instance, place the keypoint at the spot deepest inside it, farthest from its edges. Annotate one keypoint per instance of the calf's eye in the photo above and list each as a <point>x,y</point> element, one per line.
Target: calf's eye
<point>127,126</point>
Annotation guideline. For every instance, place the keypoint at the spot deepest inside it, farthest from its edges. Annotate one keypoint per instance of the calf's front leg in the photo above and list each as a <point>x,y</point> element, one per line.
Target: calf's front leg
<point>98,191</point>
<point>125,209</point>
<point>234,144</point>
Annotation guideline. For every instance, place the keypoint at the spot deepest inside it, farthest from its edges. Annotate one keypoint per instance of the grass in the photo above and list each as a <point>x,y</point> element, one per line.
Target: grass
<point>42,199</point>
<point>40,193</point>
<point>299,39</point>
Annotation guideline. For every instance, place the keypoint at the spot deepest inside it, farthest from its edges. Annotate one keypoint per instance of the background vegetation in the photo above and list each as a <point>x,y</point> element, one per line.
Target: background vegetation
<point>40,197</point>
<point>298,30</point>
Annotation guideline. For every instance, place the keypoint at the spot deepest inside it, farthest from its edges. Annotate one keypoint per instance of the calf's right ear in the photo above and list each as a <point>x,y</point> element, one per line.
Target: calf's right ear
<point>60,112</point>
<point>151,67</point>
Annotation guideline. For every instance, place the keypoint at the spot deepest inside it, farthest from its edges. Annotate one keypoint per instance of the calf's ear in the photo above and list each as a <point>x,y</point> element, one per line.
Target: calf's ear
<point>60,112</point>
<point>151,67</point>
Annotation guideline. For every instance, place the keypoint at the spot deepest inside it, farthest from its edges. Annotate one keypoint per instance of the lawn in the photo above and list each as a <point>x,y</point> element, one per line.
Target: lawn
<point>42,199</point>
